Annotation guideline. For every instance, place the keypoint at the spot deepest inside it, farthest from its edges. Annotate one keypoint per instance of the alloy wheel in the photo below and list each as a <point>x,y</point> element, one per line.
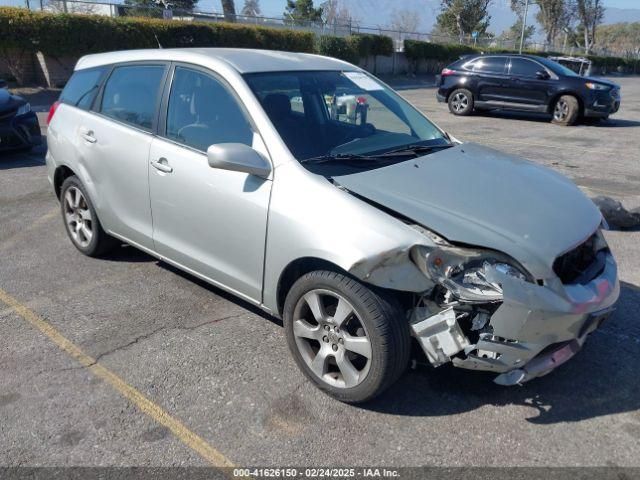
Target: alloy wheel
<point>561,110</point>
<point>78,217</point>
<point>459,102</point>
<point>331,339</point>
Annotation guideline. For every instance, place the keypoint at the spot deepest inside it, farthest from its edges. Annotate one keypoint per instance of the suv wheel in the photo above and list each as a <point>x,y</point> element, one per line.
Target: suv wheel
<point>461,102</point>
<point>351,341</point>
<point>81,220</point>
<point>566,110</point>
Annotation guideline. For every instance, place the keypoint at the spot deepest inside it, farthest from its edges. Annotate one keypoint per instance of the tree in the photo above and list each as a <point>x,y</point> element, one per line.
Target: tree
<point>591,13</point>
<point>153,8</point>
<point>251,8</point>
<point>229,10</point>
<point>404,20</point>
<point>302,10</point>
<point>553,16</point>
<point>620,38</point>
<point>462,17</point>
<point>513,33</point>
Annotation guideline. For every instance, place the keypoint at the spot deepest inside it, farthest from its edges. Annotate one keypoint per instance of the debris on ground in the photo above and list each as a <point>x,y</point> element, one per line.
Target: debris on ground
<point>615,214</point>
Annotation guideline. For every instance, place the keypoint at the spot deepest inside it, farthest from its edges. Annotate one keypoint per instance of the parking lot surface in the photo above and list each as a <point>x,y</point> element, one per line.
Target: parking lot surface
<point>176,372</point>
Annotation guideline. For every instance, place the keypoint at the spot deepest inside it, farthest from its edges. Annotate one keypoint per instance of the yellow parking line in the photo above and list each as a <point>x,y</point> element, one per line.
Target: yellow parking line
<point>186,436</point>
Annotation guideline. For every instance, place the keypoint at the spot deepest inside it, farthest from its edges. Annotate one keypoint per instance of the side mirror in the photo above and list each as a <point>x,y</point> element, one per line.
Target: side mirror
<point>3,84</point>
<point>542,75</point>
<point>238,157</point>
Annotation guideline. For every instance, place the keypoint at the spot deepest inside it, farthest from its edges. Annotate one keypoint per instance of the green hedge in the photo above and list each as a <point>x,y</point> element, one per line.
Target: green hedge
<point>75,35</point>
<point>417,51</point>
<point>354,47</point>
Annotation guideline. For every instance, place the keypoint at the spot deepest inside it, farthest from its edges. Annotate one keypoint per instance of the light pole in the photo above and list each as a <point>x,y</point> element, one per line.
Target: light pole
<point>524,24</point>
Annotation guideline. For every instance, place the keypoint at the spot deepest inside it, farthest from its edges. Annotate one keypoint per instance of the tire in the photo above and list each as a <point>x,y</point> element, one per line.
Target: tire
<point>351,328</point>
<point>461,102</point>
<point>565,111</point>
<point>81,221</point>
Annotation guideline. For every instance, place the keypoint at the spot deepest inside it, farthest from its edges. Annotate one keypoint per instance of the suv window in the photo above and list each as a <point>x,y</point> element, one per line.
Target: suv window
<point>131,93</point>
<point>524,68</point>
<point>202,112</point>
<point>82,87</point>
<point>489,65</point>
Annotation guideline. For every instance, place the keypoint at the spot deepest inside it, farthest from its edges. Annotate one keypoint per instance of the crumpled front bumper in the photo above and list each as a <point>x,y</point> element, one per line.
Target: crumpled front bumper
<point>534,330</point>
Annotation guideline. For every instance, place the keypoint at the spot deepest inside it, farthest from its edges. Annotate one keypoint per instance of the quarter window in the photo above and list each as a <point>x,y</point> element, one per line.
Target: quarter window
<point>524,68</point>
<point>82,87</point>
<point>202,112</point>
<point>131,93</point>
<point>489,65</point>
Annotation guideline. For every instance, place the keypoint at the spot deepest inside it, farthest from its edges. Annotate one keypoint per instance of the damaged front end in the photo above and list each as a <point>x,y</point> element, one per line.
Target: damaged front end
<point>486,312</point>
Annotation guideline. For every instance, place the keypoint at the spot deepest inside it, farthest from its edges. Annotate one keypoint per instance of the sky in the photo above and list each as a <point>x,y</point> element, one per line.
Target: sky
<point>276,7</point>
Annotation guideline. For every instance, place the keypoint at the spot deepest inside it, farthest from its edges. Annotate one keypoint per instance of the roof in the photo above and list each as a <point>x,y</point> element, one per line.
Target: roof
<point>242,60</point>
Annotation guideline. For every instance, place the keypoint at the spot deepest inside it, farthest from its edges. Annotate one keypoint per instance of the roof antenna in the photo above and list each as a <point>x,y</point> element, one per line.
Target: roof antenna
<point>159,45</point>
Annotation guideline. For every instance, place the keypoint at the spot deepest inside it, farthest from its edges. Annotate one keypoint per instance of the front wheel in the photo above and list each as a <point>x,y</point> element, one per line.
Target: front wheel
<point>566,110</point>
<point>351,341</point>
<point>461,102</point>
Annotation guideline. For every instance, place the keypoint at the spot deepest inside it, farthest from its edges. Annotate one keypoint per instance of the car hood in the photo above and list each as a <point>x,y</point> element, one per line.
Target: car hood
<point>478,196</point>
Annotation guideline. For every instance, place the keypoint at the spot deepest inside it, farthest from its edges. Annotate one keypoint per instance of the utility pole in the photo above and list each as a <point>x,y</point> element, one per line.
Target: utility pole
<point>524,24</point>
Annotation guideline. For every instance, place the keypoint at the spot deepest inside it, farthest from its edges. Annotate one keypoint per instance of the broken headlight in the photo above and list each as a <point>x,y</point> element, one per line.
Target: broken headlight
<point>469,274</point>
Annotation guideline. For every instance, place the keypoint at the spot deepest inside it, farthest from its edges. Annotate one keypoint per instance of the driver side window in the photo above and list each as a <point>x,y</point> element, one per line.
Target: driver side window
<point>202,112</point>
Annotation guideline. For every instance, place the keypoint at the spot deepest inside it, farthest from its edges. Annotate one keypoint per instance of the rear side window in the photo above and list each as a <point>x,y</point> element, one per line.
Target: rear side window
<point>82,87</point>
<point>524,68</point>
<point>131,94</point>
<point>489,65</point>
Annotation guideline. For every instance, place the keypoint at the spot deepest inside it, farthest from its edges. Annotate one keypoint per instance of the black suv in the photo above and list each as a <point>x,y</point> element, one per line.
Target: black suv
<point>526,83</point>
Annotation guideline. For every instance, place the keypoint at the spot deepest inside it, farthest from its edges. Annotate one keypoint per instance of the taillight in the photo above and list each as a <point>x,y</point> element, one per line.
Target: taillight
<point>52,110</point>
<point>446,72</point>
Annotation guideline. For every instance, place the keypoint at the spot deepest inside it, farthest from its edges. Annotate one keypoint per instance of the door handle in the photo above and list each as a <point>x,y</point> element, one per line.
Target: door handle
<point>162,165</point>
<point>88,136</point>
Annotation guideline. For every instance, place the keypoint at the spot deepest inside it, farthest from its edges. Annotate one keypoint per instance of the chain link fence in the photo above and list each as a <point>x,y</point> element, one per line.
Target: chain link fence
<point>319,28</point>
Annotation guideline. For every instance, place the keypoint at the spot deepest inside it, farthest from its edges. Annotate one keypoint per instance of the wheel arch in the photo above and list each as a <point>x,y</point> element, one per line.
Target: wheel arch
<point>62,172</point>
<point>555,98</point>
<point>296,269</point>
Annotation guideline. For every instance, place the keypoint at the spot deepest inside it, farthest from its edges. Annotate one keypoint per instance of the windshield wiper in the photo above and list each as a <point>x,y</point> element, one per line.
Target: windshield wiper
<point>344,158</point>
<point>407,150</point>
<point>414,150</point>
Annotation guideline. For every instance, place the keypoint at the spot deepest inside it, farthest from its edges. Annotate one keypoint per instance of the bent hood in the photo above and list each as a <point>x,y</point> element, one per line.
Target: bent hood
<point>478,196</point>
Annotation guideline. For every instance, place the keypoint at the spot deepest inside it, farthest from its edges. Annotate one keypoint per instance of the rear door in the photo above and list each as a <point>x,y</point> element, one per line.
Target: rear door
<point>115,142</point>
<point>209,221</point>
<point>524,87</point>
<point>490,73</point>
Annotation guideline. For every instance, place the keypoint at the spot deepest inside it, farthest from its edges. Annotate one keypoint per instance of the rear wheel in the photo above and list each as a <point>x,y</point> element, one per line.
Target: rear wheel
<point>81,220</point>
<point>566,110</point>
<point>351,341</point>
<point>461,102</point>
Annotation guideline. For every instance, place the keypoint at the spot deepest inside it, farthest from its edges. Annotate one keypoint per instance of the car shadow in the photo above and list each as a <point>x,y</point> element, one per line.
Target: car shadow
<point>601,380</point>
<point>546,118</point>
<point>10,160</point>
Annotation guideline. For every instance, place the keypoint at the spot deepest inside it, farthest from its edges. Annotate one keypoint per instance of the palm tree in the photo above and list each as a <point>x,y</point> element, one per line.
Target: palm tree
<point>251,8</point>
<point>229,10</point>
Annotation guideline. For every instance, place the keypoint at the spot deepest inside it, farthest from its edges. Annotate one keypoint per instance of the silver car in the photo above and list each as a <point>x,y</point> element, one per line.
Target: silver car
<point>309,188</point>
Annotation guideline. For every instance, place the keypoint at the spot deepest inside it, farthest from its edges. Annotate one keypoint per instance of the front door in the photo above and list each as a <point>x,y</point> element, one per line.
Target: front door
<point>524,87</point>
<point>211,222</point>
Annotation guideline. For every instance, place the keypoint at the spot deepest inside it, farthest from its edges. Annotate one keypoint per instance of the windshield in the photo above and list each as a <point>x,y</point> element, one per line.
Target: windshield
<point>340,114</point>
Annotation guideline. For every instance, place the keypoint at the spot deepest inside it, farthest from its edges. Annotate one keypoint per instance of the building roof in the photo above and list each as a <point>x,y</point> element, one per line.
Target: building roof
<point>242,60</point>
